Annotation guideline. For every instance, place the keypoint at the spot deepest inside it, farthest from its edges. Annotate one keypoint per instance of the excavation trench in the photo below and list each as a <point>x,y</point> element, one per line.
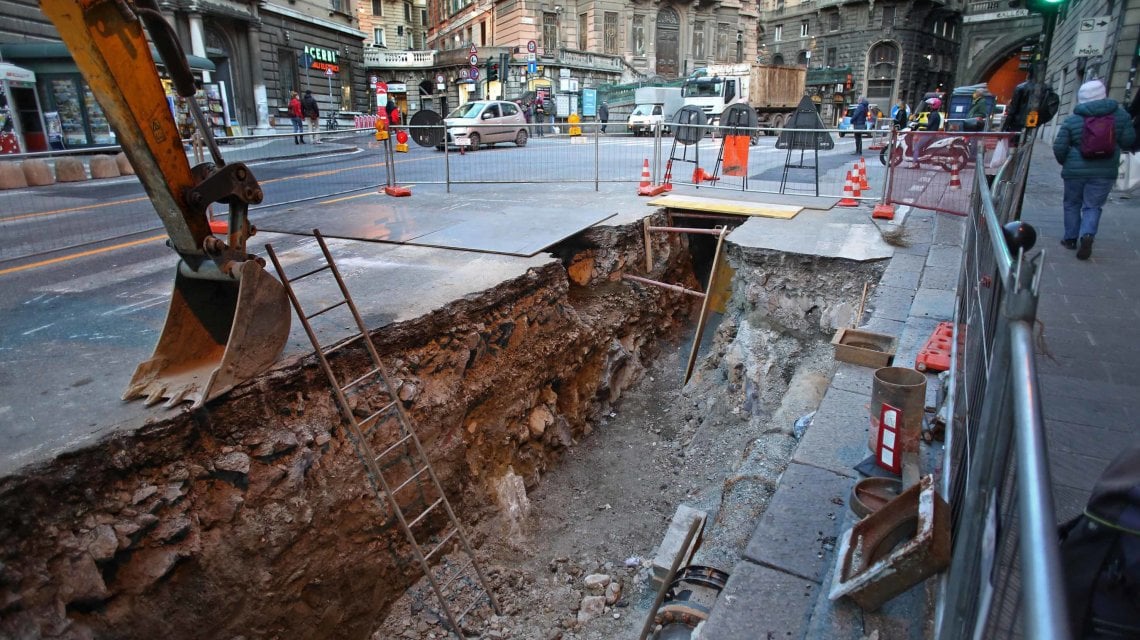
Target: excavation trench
<point>557,423</point>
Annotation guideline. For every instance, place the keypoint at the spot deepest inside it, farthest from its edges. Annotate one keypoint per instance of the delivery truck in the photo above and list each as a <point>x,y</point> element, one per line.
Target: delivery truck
<point>653,106</point>
<point>773,91</point>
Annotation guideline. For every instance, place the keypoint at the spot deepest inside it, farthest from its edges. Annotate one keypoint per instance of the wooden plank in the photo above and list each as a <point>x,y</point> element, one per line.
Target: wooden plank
<point>735,207</point>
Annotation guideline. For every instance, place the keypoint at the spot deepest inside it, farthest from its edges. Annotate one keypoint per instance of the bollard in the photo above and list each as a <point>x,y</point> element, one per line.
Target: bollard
<point>904,390</point>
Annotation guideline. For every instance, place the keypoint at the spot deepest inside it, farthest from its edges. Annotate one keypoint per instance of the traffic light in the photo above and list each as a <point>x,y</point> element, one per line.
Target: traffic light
<point>492,71</point>
<point>1046,7</point>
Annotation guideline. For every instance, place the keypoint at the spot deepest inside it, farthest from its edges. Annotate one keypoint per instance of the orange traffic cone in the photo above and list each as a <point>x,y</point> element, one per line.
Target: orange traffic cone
<point>955,180</point>
<point>668,181</point>
<point>862,166</point>
<point>848,193</point>
<point>646,188</point>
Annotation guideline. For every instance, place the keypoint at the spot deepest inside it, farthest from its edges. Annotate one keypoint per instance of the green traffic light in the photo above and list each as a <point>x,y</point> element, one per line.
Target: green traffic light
<point>1045,6</point>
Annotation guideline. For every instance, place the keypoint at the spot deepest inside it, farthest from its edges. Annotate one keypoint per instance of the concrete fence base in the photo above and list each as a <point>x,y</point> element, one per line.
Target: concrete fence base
<point>38,173</point>
<point>12,176</point>
<point>70,170</point>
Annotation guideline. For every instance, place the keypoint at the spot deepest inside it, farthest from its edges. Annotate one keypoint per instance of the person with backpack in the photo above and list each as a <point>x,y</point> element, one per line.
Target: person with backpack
<point>312,112</point>
<point>1087,146</point>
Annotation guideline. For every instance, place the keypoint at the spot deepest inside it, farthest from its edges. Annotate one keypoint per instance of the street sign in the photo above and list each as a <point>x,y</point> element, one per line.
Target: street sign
<point>328,71</point>
<point>381,88</point>
<point>532,67</point>
<point>531,47</point>
<point>1092,36</point>
<point>473,73</point>
<point>472,50</point>
<point>372,80</point>
<point>530,57</point>
<point>305,61</point>
<point>473,60</point>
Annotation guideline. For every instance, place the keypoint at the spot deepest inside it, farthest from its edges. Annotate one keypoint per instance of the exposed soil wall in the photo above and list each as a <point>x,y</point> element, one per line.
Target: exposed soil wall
<point>253,517</point>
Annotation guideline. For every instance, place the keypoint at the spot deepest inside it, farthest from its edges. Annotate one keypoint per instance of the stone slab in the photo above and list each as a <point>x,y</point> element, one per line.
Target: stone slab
<point>672,544</point>
<point>798,531</point>
<point>837,439</point>
<point>745,609</point>
<point>892,303</point>
<point>814,233</point>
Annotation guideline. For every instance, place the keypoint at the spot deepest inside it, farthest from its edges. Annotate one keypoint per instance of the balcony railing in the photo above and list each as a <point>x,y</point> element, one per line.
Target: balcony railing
<point>586,60</point>
<point>386,59</point>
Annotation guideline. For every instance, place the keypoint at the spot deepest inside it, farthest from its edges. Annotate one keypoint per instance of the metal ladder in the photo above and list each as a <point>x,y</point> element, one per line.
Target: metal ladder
<point>404,453</point>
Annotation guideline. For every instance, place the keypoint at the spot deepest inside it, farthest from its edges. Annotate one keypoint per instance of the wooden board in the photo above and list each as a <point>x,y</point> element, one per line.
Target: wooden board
<point>734,207</point>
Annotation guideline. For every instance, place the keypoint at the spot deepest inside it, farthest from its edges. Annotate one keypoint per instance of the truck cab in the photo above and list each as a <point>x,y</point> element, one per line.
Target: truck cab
<point>712,94</point>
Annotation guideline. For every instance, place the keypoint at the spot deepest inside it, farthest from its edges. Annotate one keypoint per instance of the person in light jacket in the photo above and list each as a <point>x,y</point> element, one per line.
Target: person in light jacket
<point>1088,181</point>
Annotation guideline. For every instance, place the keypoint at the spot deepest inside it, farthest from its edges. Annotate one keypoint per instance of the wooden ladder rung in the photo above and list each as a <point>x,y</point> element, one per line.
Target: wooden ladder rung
<point>313,272</point>
<point>394,446</point>
<point>371,418</point>
<point>410,479</point>
<point>424,515</point>
<point>459,573</point>
<point>326,309</point>
<point>357,381</point>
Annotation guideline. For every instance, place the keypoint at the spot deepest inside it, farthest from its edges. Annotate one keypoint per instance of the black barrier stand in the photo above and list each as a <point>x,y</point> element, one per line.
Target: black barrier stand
<point>689,129</point>
<point>804,133</point>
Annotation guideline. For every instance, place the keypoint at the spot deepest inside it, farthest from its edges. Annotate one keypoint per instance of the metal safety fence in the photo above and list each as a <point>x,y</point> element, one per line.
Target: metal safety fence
<point>936,171</point>
<point>1004,579</point>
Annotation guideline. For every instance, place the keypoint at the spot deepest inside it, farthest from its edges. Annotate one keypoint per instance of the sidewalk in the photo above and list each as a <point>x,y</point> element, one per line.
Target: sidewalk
<point>1088,311</point>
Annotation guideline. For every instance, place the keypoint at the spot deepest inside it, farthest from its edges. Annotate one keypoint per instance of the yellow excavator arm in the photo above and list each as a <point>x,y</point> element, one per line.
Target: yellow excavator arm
<point>228,320</point>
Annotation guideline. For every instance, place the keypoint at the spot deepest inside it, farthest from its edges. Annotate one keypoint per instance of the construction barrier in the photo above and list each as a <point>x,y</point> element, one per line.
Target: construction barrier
<point>935,170</point>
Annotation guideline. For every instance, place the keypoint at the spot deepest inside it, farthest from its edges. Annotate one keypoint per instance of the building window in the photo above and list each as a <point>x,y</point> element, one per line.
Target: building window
<point>638,35</point>
<point>832,56</point>
<point>779,5</point>
<point>778,58</point>
<point>779,32</point>
<point>335,5</point>
<point>583,25</point>
<point>550,32</point>
<point>834,26</point>
<point>378,37</point>
<point>888,16</point>
<point>722,35</point>
<point>804,29</point>
<point>408,12</point>
<point>378,7</point>
<point>699,40</point>
<point>610,32</point>
<point>802,58</point>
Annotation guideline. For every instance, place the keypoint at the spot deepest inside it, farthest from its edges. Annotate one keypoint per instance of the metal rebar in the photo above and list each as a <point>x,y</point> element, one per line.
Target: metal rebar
<point>663,285</point>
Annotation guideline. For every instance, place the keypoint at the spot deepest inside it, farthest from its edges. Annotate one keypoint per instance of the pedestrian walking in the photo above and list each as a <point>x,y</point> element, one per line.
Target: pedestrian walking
<point>604,115</point>
<point>312,112</point>
<point>901,115</point>
<point>1087,146</point>
<point>296,116</point>
<point>859,123</point>
<point>539,117</point>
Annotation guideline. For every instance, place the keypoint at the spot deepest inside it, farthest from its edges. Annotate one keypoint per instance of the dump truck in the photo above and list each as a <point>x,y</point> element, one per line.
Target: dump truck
<point>228,319</point>
<point>773,91</point>
<point>653,106</point>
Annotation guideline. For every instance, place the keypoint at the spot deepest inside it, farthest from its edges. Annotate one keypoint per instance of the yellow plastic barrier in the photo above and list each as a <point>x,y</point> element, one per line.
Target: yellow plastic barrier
<point>573,121</point>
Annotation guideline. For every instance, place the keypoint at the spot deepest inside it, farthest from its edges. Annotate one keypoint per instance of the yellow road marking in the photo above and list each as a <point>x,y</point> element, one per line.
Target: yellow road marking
<point>359,195</point>
<point>81,254</point>
<point>26,216</point>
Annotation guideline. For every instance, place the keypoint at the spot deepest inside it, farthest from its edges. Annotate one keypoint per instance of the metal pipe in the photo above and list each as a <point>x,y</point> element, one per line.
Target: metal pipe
<point>597,155</point>
<point>668,579</point>
<point>1046,614</point>
<point>663,285</point>
<point>698,231</point>
<point>648,246</point>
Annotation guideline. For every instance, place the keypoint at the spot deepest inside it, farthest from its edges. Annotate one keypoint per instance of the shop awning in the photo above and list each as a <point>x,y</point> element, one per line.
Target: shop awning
<point>58,51</point>
<point>12,73</point>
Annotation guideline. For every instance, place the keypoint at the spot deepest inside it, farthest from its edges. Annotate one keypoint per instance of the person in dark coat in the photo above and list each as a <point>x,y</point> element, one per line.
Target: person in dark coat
<point>902,115</point>
<point>1088,181</point>
<point>979,111</point>
<point>604,115</point>
<point>310,110</point>
<point>859,124</point>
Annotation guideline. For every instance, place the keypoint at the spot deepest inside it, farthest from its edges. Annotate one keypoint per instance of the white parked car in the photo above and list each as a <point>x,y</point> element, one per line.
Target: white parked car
<point>497,120</point>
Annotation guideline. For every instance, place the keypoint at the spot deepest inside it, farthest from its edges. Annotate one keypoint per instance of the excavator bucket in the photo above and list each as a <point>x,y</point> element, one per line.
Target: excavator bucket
<point>228,319</point>
<point>217,334</point>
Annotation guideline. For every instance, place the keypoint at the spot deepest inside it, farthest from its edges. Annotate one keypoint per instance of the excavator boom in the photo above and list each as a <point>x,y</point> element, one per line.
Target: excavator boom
<point>228,319</point>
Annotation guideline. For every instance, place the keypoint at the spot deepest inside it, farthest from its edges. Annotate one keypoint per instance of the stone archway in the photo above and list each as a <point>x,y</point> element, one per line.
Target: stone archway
<point>668,42</point>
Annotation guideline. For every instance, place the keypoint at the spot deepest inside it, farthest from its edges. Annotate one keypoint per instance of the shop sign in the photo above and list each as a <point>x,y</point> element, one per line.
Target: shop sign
<point>323,59</point>
<point>397,87</point>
